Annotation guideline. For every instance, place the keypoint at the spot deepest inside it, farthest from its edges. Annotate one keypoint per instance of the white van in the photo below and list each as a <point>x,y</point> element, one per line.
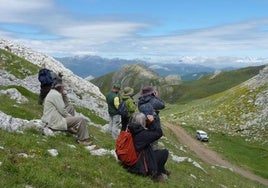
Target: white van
<point>202,135</point>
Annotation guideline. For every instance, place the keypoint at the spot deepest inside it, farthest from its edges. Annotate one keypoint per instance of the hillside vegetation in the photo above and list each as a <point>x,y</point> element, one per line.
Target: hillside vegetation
<point>26,161</point>
<point>212,84</point>
<point>17,66</point>
<point>235,119</point>
<point>22,155</point>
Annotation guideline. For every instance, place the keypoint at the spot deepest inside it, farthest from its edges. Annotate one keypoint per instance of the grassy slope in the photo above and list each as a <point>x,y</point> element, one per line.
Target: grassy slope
<point>30,110</point>
<point>17,66</point>
<point>220,115</point>
<point>205,86</point>
<point>76,167</point>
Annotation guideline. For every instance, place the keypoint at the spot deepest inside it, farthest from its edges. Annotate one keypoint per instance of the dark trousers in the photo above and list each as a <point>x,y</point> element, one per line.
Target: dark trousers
<point>161,157</point>
<point>124,122</point>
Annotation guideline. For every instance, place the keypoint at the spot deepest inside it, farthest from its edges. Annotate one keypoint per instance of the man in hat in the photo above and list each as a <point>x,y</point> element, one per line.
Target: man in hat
<point>57,118</point>
<point>130,105</point>
<point>112,99</point>
<point>150,96</point>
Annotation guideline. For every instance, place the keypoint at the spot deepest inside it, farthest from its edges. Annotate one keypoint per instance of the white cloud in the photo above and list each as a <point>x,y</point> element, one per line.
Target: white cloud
<point>70,35</point>
<point>20,11</point>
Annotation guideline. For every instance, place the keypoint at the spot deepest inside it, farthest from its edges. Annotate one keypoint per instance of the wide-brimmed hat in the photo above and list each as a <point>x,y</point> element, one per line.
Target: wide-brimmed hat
<point>148,90</point>
<point>128,91</point>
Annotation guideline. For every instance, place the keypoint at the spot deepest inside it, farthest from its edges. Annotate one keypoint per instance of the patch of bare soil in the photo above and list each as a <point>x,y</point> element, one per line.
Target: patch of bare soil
<point>210,156</point>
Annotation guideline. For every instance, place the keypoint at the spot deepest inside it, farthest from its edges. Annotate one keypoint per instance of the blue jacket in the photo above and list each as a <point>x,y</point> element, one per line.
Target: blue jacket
<point>156,102</point>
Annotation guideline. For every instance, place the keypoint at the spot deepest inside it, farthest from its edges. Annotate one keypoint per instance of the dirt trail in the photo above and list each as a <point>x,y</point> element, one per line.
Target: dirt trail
<point>210,156</point>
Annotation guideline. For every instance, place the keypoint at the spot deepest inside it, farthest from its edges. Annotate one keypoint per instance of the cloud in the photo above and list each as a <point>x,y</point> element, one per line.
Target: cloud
<point>22,11</point>
<point>232,38</point>
<point>56,31</point>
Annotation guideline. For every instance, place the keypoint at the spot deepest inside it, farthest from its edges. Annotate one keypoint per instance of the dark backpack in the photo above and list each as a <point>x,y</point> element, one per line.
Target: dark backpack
<point>122,109</point>
<point>125,149</point>
<point>44,77</point>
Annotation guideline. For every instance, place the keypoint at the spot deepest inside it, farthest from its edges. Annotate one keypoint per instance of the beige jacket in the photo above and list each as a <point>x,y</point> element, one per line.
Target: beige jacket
<point>54,112</point>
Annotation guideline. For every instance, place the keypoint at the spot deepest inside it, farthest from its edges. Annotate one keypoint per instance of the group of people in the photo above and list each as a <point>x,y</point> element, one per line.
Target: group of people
<point>142,120</point>
<point>144,124</point>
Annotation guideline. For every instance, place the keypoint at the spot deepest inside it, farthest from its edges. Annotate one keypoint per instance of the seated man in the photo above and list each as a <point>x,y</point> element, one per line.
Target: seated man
<point>57,118</point>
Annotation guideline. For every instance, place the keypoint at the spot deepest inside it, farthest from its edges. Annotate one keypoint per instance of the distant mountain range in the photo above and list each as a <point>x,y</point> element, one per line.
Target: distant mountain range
<point>188,68</point>
<point>95,66</point>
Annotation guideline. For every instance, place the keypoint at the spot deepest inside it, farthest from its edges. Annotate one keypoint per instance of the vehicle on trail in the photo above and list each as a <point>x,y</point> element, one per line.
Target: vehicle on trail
<point>202,135</point>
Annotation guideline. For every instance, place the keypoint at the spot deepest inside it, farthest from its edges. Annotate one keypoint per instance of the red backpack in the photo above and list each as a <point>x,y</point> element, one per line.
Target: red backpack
<point>125,149</point>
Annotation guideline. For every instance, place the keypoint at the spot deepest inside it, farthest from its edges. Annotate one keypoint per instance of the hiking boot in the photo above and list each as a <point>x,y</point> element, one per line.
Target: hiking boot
<point>160,179</point>
<point>167,172</point>
<point>84,142</point>
<point>73,130</point>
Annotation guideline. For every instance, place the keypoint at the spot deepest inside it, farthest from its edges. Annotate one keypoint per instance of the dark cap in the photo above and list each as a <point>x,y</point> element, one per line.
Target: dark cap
<point>117,85</point>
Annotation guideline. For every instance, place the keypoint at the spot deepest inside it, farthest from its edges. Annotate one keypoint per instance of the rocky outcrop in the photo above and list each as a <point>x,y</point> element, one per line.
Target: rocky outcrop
<point>81,92</point>
<point>173,79</point>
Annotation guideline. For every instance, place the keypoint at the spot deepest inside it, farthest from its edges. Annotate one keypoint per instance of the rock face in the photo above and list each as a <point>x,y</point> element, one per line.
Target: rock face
<point>14,94</point>
<point>80,91</point>
<point>173,79</point>
<point>260,120</point>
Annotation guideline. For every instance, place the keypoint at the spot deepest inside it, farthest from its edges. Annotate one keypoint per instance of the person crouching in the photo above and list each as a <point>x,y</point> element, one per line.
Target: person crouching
<point>151,162</point>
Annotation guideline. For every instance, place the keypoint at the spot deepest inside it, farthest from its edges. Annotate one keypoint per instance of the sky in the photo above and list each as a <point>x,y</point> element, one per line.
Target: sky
<point>138,29</point>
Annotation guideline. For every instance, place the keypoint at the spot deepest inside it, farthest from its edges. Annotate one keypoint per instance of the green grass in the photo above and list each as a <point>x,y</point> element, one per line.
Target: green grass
<point>29,110</point>
<point>17,66</point>
<point>91,114</point>
<point>219,116</point>
<point>76,167</point>
<point>250,156</point>
<point>204,87</point>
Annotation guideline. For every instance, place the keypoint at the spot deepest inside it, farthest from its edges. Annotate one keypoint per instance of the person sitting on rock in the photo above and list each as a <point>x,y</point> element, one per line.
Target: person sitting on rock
<point>56,116</point>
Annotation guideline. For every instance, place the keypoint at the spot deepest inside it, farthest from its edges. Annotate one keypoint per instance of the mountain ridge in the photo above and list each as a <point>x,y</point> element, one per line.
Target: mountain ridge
<point>97,66</point>
<point>188,68</point>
